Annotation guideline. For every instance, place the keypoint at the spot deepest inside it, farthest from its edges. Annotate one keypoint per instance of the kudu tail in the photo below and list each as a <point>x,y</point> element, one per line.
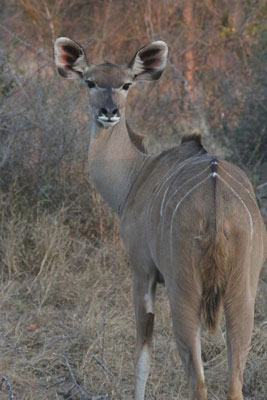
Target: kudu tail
<point>214,268</point>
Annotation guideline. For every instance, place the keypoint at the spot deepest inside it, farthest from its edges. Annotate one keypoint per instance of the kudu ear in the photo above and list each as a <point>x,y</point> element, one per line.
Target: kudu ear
<point>149,62</point>
<point>69,58</point>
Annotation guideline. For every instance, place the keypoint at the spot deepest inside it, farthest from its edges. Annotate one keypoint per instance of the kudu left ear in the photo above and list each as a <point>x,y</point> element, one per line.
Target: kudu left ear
<point>69,58</point>
<point>150,61</point>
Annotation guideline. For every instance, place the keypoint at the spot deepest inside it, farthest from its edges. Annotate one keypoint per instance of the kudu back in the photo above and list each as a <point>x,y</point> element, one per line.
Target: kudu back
<point>187,219</point>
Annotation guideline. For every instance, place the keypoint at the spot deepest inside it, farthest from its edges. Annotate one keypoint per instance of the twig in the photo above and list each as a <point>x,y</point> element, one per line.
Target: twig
<point>205,133</point>
<point>27,44</point>
<point>9,388</point>
<point>261,186</point>
<point>214,396</point>
<point>83,394</point>
<point>104,329</point>
<point>18,81</point>
<point>105,368</point>
<point>148,21</point>
<point>180,76</point>
<point>109,373</point>
<point>201,117</point>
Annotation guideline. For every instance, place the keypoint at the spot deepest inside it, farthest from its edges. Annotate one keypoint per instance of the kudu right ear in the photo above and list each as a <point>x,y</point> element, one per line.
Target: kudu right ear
<point>150,61</point>
<point>69,58</point>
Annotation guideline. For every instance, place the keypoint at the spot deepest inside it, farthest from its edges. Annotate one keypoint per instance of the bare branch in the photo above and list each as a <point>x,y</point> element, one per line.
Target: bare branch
<point>202,121</point>
<point>9,388</point>
<point>104,329</point>
<point>83,394</point>
<point>27,44</point>
<point>102,365</point>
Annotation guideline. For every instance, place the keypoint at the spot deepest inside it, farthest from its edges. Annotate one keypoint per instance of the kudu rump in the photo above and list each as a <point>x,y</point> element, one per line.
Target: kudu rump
<point>187,219</point>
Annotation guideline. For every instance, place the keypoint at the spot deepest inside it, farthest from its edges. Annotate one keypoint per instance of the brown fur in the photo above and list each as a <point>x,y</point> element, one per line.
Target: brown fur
<point>137,140</point>
<point>149,327</point>
<point>196,137</point>
<point>214,265</point>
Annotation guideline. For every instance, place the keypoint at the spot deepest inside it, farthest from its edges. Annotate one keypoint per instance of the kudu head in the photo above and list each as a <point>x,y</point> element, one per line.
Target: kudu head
<point>108,83</point>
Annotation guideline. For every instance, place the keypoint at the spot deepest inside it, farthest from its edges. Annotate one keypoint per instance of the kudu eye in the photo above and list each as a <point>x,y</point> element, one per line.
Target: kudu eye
<point>90,84</point>
<point>126,86</point>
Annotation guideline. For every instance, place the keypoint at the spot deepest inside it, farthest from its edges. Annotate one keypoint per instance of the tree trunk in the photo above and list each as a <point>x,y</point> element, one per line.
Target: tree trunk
<point>189,54</point>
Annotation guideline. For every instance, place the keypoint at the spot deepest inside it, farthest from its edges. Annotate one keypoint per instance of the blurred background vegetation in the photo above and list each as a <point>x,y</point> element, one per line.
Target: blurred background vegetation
<point>55,229</point>
<point>215,82</point>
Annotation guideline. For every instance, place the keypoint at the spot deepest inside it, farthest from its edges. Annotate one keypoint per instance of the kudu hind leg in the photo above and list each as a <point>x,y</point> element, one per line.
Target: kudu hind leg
<point>144,297</point>
<point>239,313</point>
<point>186,324</point>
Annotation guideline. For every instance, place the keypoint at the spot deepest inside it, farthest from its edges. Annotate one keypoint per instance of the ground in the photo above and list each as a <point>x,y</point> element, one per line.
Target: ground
<point>68,332</point>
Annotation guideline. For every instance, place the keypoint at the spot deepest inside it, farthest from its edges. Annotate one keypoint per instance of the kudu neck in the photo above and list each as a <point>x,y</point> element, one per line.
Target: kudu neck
<point>114,162</point>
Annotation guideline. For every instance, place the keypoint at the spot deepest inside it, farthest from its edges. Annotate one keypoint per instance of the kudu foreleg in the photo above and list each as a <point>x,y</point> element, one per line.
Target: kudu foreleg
<point>144,297</point>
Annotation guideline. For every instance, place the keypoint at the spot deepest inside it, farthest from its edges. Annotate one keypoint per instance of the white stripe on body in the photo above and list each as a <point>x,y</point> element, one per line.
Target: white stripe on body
<point>213,175</point>
<point>180,165</point>
<point>168,176</point>
<point>198,161</point>
<point>241,184</point>
<point>194,160</point>
<point>242,202</point>
<point>177,190</point>
<point>178,205</point>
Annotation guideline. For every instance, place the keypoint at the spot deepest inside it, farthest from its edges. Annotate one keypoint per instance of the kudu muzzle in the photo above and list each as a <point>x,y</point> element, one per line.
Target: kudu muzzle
<point>108,114</point>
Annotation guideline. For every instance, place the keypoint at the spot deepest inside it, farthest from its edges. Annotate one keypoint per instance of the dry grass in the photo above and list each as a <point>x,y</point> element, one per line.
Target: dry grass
<point>66,303</point>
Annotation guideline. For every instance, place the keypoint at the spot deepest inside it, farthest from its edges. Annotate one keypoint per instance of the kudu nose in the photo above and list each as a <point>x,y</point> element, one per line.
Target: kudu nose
<point>110,111</point>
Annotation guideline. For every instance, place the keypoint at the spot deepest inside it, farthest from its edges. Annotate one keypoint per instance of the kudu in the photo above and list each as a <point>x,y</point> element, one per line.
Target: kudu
<point>187,219</point>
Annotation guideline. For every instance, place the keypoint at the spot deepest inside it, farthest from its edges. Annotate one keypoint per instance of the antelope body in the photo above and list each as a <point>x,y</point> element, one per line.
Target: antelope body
<point>187,219</point>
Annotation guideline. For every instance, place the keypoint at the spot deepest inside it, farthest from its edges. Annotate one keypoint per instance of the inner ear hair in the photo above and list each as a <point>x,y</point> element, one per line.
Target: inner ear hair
<point>150,61</point>
<point>70,58</point>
